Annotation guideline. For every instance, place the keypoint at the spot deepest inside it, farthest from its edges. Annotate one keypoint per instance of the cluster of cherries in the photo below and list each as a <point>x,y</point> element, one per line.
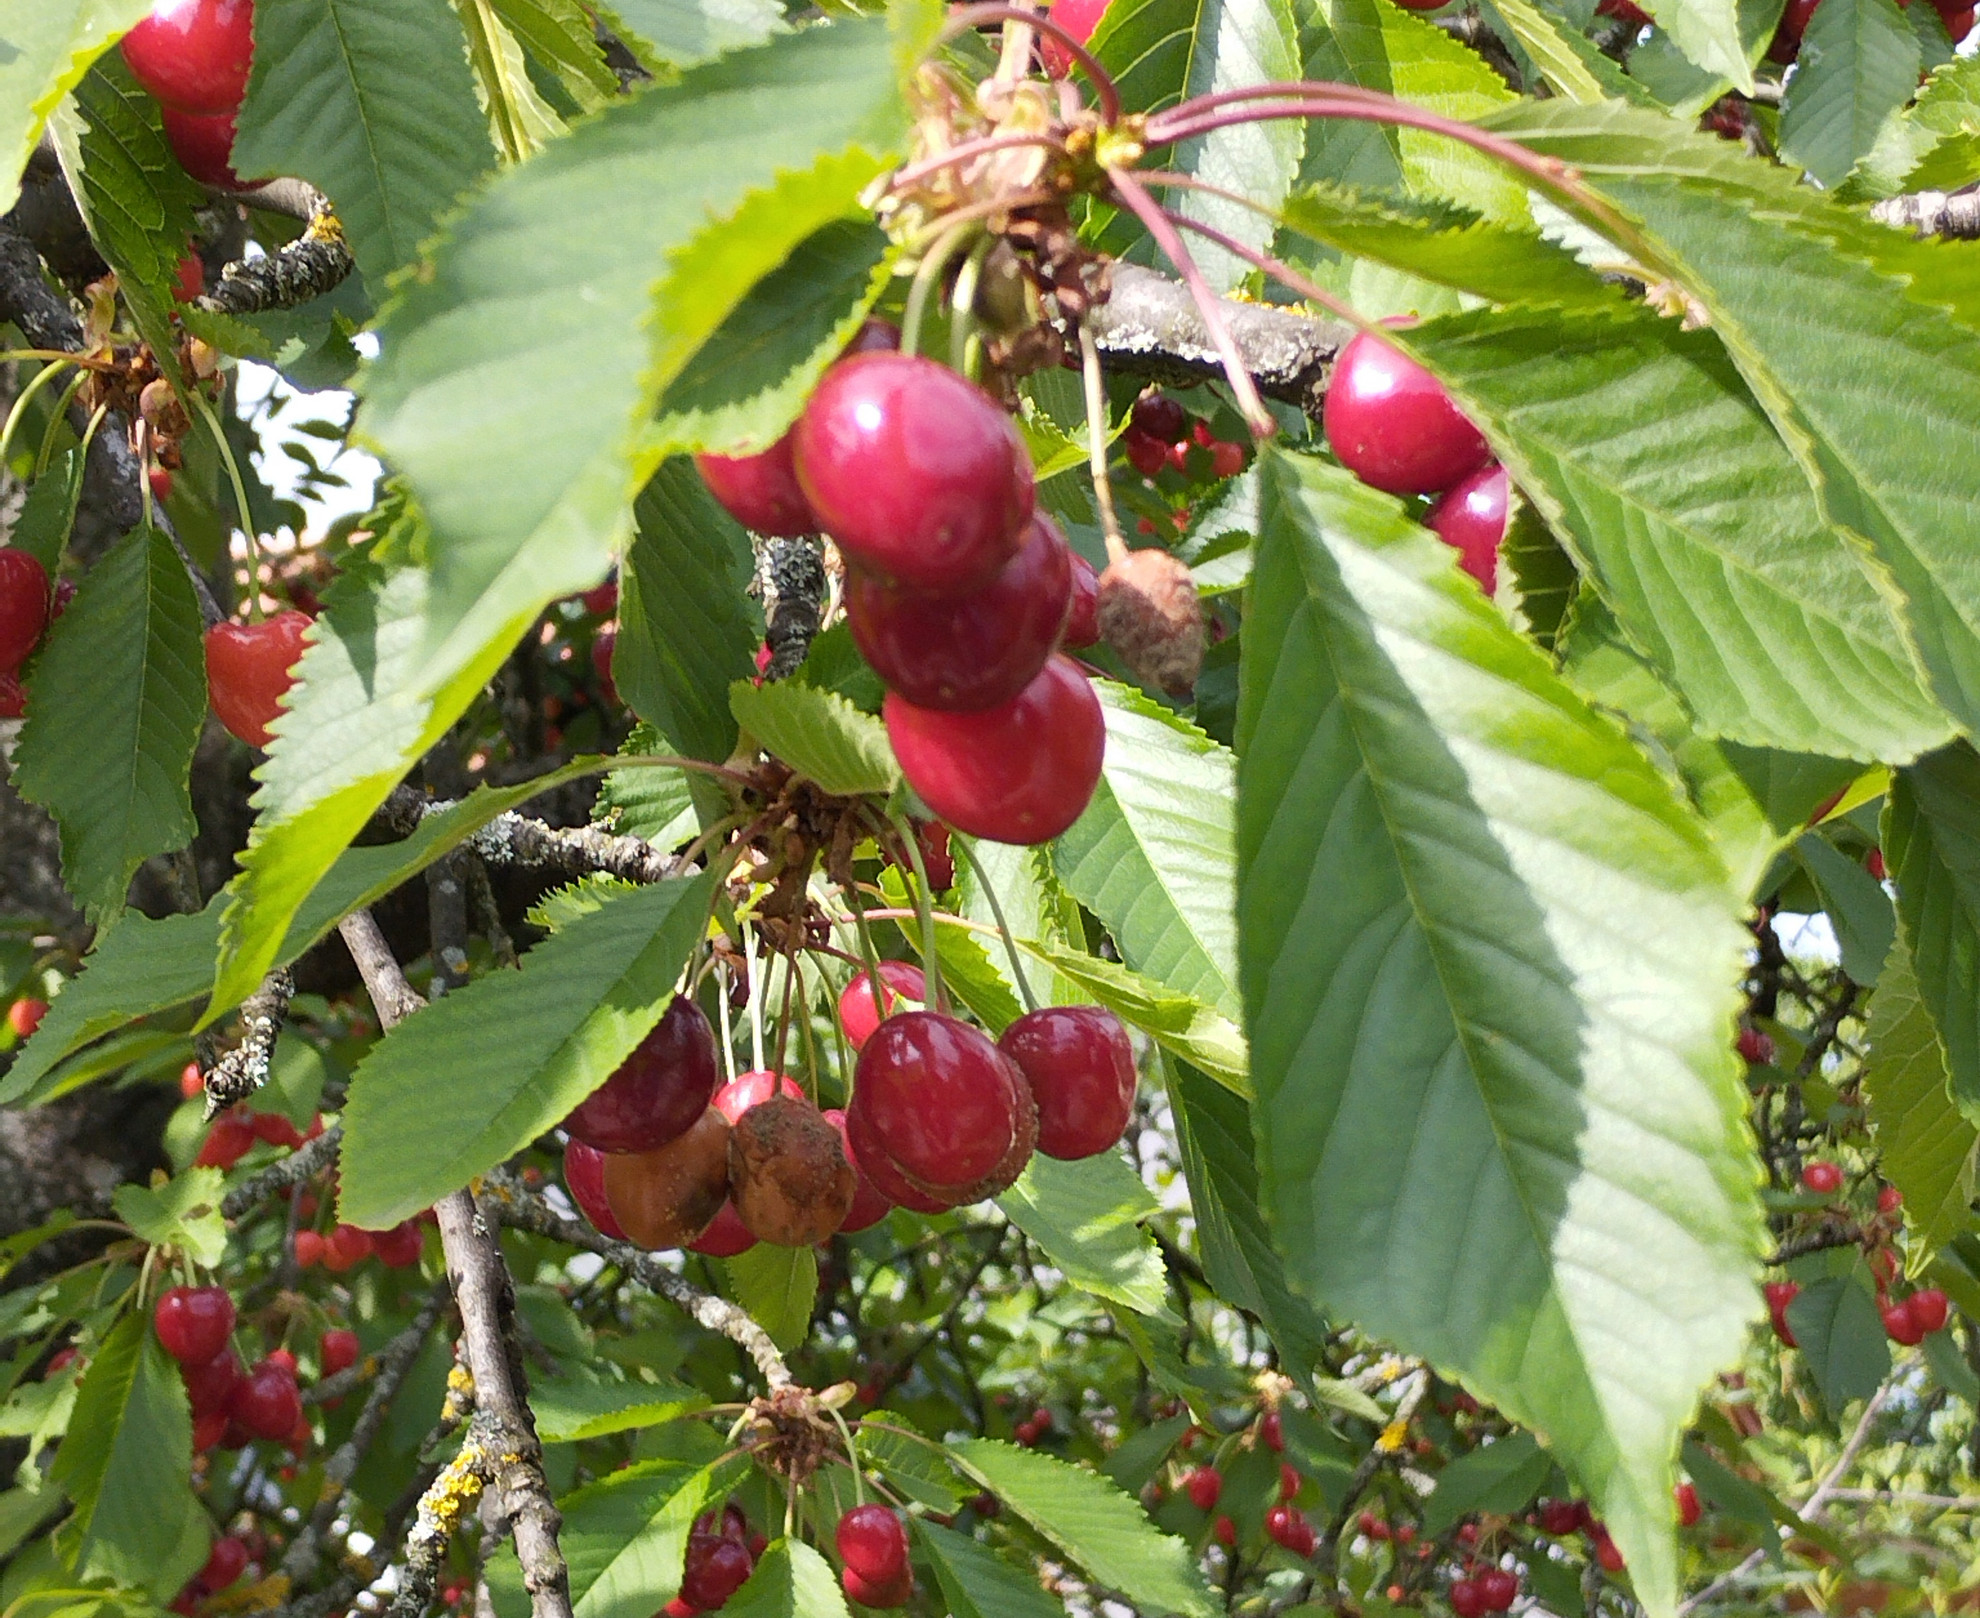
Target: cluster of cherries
<point>722,1552</point>
<point>1285,1524</point>
<point>1909,1320</point>
<point>1160,434</point>
<point>193,57</point>
<point>958,591</point>
<point>1391,424</point>
<point>231,1406</point>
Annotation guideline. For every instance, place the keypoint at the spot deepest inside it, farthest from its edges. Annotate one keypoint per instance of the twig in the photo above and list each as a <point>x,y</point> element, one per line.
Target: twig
<point>1933,213</point>
<point>305,1161</point>
<point>307,268</point>
<point>571,851</point>
<point>442,1508</point>
<point>244,1069</point>
<point>790,577</point>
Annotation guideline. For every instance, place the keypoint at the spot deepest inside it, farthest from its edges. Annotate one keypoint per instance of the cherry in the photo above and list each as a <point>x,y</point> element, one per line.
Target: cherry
<point>204,145</point>
<point>967,653</point>
<point>347,1248</point>
<point>210,1387</point>
<point>1467,1600</point>
<point>1624,11</point>
<point>401,1247</point>
<point>716,1568</point>
<point>208,1431</point>
<point>873,1544</point>
<point>1079,18</point>
<point>1270,1429</point>
<point>273,1128</point>
<point>1203,1485</point>
<point>760,491</point>
<point>194,1323</point>
<point>1146,453</point>
<point>249,669</point>
<point>1606,1553</point>
<point>1287,1526</point>
<point>13,697</point>
<point>1688,1506</point>
<point>603,600</point>
<point>860,1009</point>
<point>869,1158</point>
<point>752,1089</point>
<point>267,1404</point>
<point>1080,1066</point>
<point>1823,1178</point>
<point>943,1101</point>
<point>1083,617</point>
<point>669,1196</point>
<point>789,1179</point>
<point>24,1016</point>
<point>1471,519</point>
<point>1959,22</point>
<point>188,283</point>
<point>338,1351</point>
<point>726,1235</point>
<point>1156,414</point>
<point>310,1248</point>
<point>23,606</point>
<point>1224,1531</point>
<point>193,55</point>
<point>917,473</point>
<point>870,1204</point>
<point>225,1562</point>
<point>584,1178</point>
<point>1021,772</point>
<point>603,645</point>
<point>658,1092</point>
<point>1562,1517</point>
<point>1290,1482</point>
<point>1787,37</point>
<point>229,1140</point>
<point>897,1594</point>
<point>1391,423</point>
<point>931,837</point>
<point>1779,1295</point>
<point>1889,1199</point>
<point>1928,1309</point>
<point>1499,1588</point>
<point>876,335</point>
<point>1755,1048</point>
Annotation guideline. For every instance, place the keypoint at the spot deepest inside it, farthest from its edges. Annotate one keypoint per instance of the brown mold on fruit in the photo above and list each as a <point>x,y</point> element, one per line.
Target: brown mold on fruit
<point>1149,614</point>
<point>1024,1141</point>
<point>788,1173</point>
<point>669,1196</point>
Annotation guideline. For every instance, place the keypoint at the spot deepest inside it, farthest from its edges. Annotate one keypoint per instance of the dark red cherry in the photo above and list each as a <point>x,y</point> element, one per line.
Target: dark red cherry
<point>584,1178</point>
<point>917,473</point>
<point>870,1204</point>
<point>1080,1066</point>
<point>603,645</point>
<point>658,1092</point>
<point>203,142</point>
<point>760,491</point>
<point>752,1089</point>
<point>726,1235</point>
<point>1793,24</point>
<point>871,1163</point>
<point>1471,519</point>
<point>225,1563</point>
<point>23,606</point>
<point>1083,617</point>
<point>194,1323</point>
<point>879,1596</point>
<point>1467,1600</point>
<point>249,669</point>
<point>1156,414</point>
<point>873,1544</point>
<point>943,1100</point>
<point>1392,425</point>
<point>267,1403</point>
<point>1624,11</point>
<point>716,1569</point>
<point>1929,1309</point>
<point>861,1010</point>
<point>1499,1587</point>
<point>401,1247</point>
<point>1021,772</point>
<point>193,55</point>
<point>210,1387</point>
<point>13,697</point>
<point>876,335</point>
<point>338,1350</point>
<point>969,652</point>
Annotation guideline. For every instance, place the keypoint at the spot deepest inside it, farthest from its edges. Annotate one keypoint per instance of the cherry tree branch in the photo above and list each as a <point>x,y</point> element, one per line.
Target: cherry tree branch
<point>1933,213</point>
<point>244,1069</point>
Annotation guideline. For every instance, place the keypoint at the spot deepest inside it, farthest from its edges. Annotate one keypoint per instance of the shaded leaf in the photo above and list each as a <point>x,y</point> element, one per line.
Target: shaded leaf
<point>1932,851</point>
<point>1501,1477</point>
<point>790,1580</point>
<point>819,734</point>
<point>977,1582</point>
<point>682,33</point>
<point>1841,1336</point>
<point>1087,1216</point>
<point>1857,905</point>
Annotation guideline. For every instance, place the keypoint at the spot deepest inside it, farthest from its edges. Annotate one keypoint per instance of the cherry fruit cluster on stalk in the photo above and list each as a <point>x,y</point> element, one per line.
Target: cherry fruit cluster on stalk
<point>193,57</point>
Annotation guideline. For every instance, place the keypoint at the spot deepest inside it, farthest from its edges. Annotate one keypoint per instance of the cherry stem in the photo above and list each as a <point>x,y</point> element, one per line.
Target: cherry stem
<point>962,152</point>
<point>240,500</point>
<point>56,418</point>
<point>989,892</point>
<point>784,1016</point>
<point>852,1457</point>
<point>924,910</point>
<point>728,1032</point>
<point>1096,443</point>
<point>962,306</point>
<point>1162,228</point>
<point>964,18</point>
<point>755,998</point>
<point>35,384</point>
<point>933,263</point>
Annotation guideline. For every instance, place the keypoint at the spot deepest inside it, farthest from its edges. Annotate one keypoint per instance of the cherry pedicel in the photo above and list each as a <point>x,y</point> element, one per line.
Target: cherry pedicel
<point>203,142</point>
<point>23,606</point>
<point>658,1092</point>
<point>193,1323</point>
<point>873,1544</point>
<point>1391,423</point>
<point>917,473</point>
<point>1021,772</point>
<point>859,1015</point>
<point>194,55</point>
<point>760,491</point>
<point>943,1101</point>
<point>584,1178</point>
<point>249,669</point>
<point>1471,519</point>
<point>1079,1063</point>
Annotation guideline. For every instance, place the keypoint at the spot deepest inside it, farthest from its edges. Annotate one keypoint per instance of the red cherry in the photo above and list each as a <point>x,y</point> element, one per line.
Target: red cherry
<point>208,1431</point>
<point>1156,414</point>
<point>249,669</point>
<point>1203,1485</point>
<point>1928,1309</point>
<point>13,697</point>
<point>1290,1482</point>
<point>204,145</point>
<point>870,1161</point>
<point>1083,618</point>
<point>967,653</point>
<point>190,280</point>
<point>1958,23</point>
<point>726,1235</point>
<point>1270,1429</point>
<point>864,1594</point>
<point>401,1247</point>
<point>860,1009</point>
<point>760,491</point>
<point>276,1130</point>
<point>310,1249</point>
<point>876,335</point>
<point>267,1404</point>
<point>1146,453</point>
<point>338,1351</point>
<point>1755,1048</point>
<point>658,1092</point>
<point>942,1100</point>
<point>1689,1508</point>
<point>584,1178</point>
<point>1779,1295</point>
<point>1605,1550</point>
<point>932,840</point>
<point>346,1248</point>
<point>870,1204</point>
<point>1823,1178</point>
<point>1079,18</point>
<point>873,1544</point>
<point>225,1562</point>
<point>1471,519</point>
<point>1226,459</point>
<point>1559,1517</point>
<point>1079,1063</point>
<point>1499,1588</point>
<point>1624,11</point>
<point>1467,1600</point>
<point>1392,424</point>
<point>603,644</point>
<point>194,1323</point>
<point>193,55</point>
<point>716,1569</point>
<point>602,601</point>
<point>1889,1199</point>
<point>24,1016</point>
<point>210,1387</point>
<point>1901,1325</point>
<point>917,473</point>
<point>1287,1526</point>
<point>1372,1526</point>
<point>1224,1531</point>
<point>1021,772</point>
<point>229,1140</point>
<point>752,1089</point>
<point>1787,37</point>
<point>23,606</point>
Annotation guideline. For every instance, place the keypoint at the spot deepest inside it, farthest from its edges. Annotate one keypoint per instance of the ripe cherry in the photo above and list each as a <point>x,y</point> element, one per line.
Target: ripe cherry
<point>602,600</point>
<point>24,1016</point>
<point>346,1248</point>
<point>1079,1063</point>
<point>229,1140</point>
<point>1287,1526</point>
<point>401,1247</point>
<point>1793,24</point>
<point>716,1568</point>
<point>203,142</point>
<point>23,606</point>
<point>194,54</point>
<point>1889,1199</point>
<point>1606,1552</point>
<point>1499,1588</point>
<point>189,281</point>
<point>726,1235</point>
<point>210,1387</point>
<point>225,1562</point>
<point>1928,1309</point>
<point>1471,519</point>
<point>860,1010</point>
<point>1624,11</point>
<point>249,669</point>
<point>870,1204</point>
<point>1203,1485</point>
<point>760,491</point>
<point>584,1178</point>
<point>1561,1517</point>
<point>1146,453</point>
<point>658,1092</point>
<point>1156,414</point>
<point>338,1350</point>
<point>873,1544</point>
<point>1779,1295</point>
<point>859,1591</point>
<point>1823,1178</point>
<point>752,1089</point>
<point>603,645</point>
<point>1083,617</point>
<point>1755,1048</point>
<point>193,1323</point>
<point>1688,1505</point>
<point>1467,1600</point>
<point>1079,18</point>
<point>1290,1482</point>
<point>268,1404</point>
<point>13,697</point>
<point>310,1249</point>
<point>942,1100</point>
<point>869,1159</point>
<point>1391,423</point>
<point>970,652</point>
<point>1021,772</point>
<point>1224,1531</point>
<point>917,473</point>
<point>1270,1428</point>
<point>669,1196</point>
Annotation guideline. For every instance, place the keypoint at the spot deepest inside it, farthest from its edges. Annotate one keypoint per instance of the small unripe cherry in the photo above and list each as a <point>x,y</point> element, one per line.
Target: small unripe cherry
<point>1147,610</point>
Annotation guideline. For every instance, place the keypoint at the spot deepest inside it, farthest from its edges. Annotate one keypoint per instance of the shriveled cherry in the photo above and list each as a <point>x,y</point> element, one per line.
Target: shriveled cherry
<point>789,1178</point>
<point>584,1178</point>
<point>873,1544</point>
<point>942,1100</point>
<point>338,1350</point>
<point>1471,519</point>
<point>203,142</point>
<point>669,1196</point>
<point>656,1093</point>
<point>861,1010</point>
<point>249,669</point>
<point>1391,423</point>
<point>716,1568</point>
<point>194,1323</point>
<point>1021,772</point>
<point>268,1404</point>
<point>760,491</point>
<point>1080,1066</point>
<point>23,605</point>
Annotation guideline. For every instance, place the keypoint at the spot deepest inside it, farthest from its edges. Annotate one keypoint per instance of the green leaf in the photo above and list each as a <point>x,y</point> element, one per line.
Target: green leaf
<point>1945,119</point>
<point>570,1411</point>
<point>183,1212</point>
<point>1154,855</point>
<point>686,629</point>
<point>709,183</point>
<point>49,511</point>
<point>1932,849</point>
<point>22,1511</point>
<point>819,734</point>
<point>520,122</point>
<point>125,668</point>
<point>776,1287</point>
<point>1858,64</point>
<point>1566,57</point>
<point>1093,1522</point>
<point>790,1580</point>
<point>45,49</point>
<point>1840,1334</point>
<point>508,1056</point>
<point>127,1459</point>
<point>976,1582</point>
<point>1924,1143</point>
<point>1856,904</point>
<point>915,1470</point>
<point>560,36</point>
<point>1500,1477</point>
<point>1708,32</point>
<point>1642,446</point>
<point>1087,1217</point>
<point>1470,1142</point>
<point>649,801</point>
<point>683,33</point>
<point>372,103</point>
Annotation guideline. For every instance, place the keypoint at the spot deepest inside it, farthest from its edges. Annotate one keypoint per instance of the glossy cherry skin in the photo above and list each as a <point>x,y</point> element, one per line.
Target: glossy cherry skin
<point>861,1010</point>
<point>1499,1588</point>
<point>870,1161</point>
<point>726,1235</point>
<point>203,142</point>
<point>584,1178</point>
<point>1471,519</point>
<point>885,1596</point>
<point>1392,425</point>
<point>210,1387</point>
<point>752,1089</point>
<point>1823,1178</point>
<point>1204,1486</point>
<point>1021,772</point>
<point>658,1092</point>
<point>194,1323</point>
<point>338,1351</point>
<point>194,55</point>
<point>716,1569</point>
<point>1928,1309</point>
<point>267,1403</point>
<point>969,652</point>
<point>873,1544</point>
<point>760,491</point>
<point>249,669</point>
<point>941,1098</point>
<point>23,606</point>
<point>1079,18</point>
<point>915,471</point>
<point>870,1204</point>
<point>1080,1066</point>
<point>1083,616</point>
<point>1467,1600</point>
